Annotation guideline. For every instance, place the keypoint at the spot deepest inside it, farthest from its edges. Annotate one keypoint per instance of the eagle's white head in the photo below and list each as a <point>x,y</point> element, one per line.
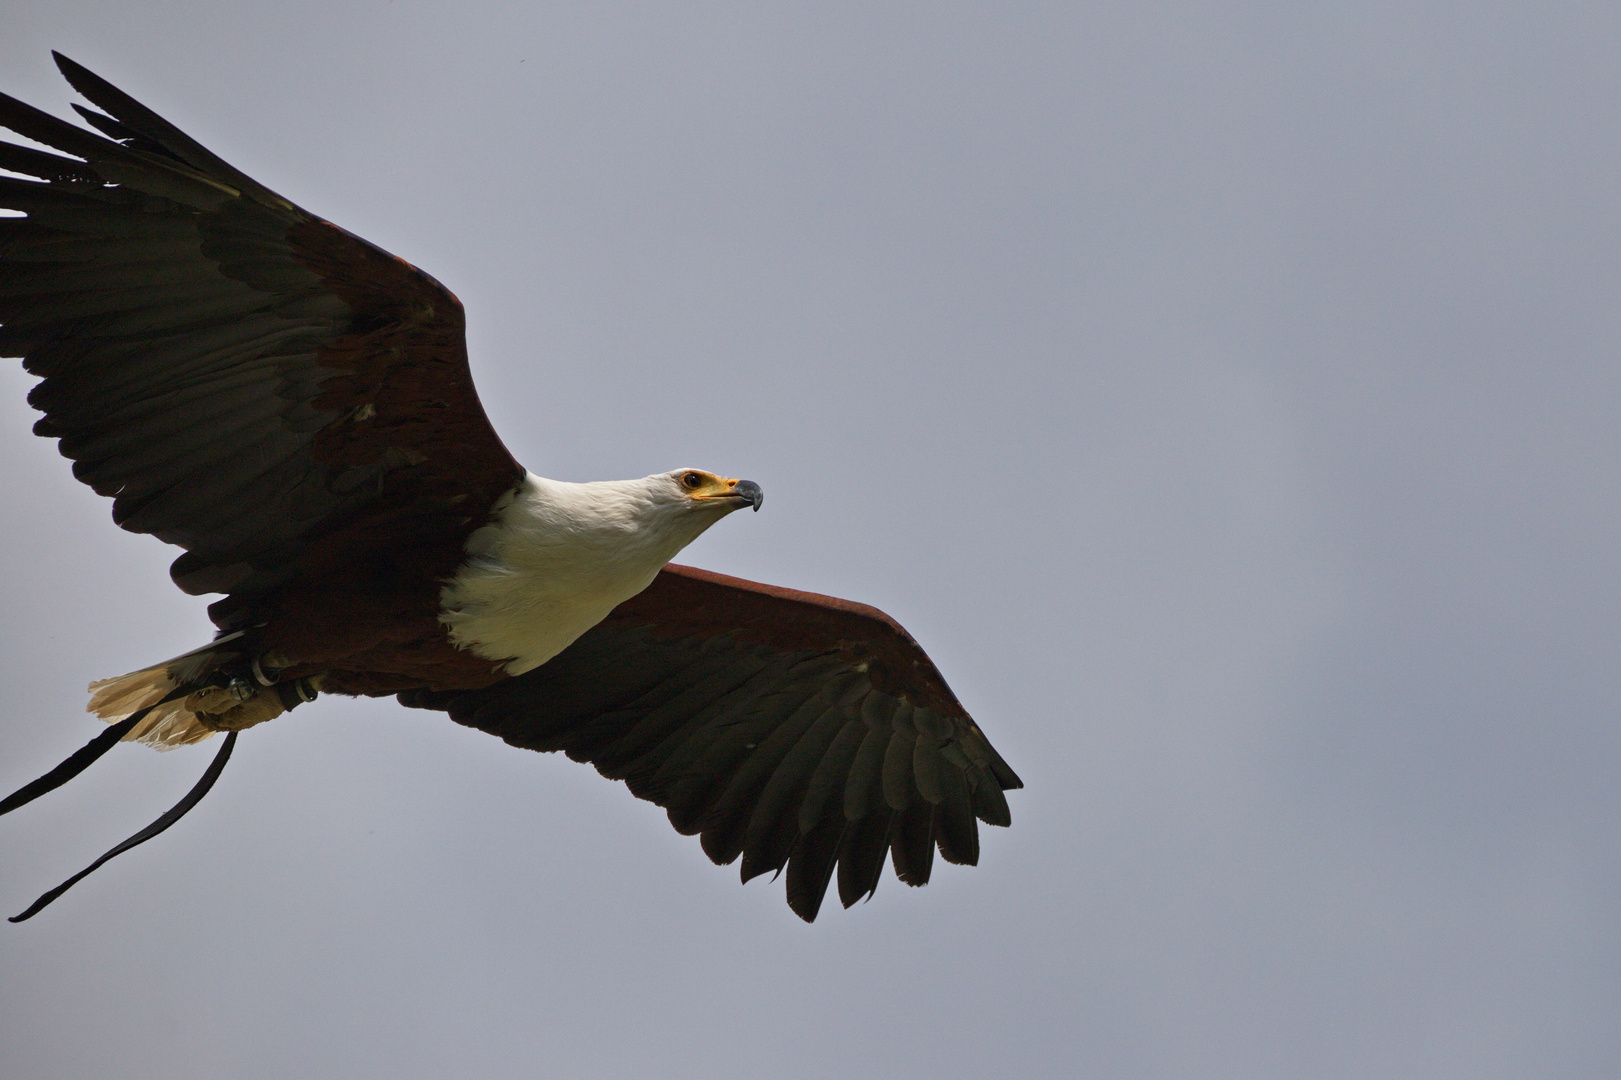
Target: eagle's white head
<point>557,557</point>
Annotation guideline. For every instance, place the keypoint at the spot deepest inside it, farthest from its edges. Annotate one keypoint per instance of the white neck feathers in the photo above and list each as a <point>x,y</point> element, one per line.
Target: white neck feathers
<point>558,557</point>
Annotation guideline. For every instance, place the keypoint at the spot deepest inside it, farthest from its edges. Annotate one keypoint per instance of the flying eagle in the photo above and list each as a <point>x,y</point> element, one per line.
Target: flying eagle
<point>293,407</point>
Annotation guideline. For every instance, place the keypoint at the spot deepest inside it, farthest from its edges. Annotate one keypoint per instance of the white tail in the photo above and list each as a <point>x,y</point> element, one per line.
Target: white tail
<point>170,724</point>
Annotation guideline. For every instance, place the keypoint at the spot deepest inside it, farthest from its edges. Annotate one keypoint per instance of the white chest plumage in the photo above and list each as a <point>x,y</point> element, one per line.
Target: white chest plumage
<point>557,558</point>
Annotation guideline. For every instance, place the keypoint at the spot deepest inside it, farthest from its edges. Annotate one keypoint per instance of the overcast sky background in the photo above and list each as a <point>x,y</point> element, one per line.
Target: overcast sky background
<point>1224,395</point>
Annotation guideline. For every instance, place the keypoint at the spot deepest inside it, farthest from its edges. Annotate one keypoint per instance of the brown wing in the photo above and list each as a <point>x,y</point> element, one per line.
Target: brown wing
<point>246,380</point>
<point>786,727</point>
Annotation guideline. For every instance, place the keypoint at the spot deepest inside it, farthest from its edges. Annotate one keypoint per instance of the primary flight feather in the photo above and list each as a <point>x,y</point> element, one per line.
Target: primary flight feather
<point>293,407</point>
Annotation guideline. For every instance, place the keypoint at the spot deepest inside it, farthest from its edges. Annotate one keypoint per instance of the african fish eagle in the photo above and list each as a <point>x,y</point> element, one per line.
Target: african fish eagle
<point>293,407</point>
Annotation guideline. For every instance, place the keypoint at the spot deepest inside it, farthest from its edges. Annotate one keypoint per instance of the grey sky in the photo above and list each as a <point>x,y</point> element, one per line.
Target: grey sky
<point>1224,395</point>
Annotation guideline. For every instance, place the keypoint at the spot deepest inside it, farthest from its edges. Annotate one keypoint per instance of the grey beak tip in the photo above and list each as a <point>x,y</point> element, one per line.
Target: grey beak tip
<point>751,491</point>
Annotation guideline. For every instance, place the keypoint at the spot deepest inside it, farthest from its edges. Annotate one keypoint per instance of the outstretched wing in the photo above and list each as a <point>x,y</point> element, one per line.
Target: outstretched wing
<point>243,378</point>
<point>786,727</point>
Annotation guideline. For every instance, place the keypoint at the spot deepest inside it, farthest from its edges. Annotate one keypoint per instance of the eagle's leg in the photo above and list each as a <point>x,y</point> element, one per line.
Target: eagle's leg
<point>229,704</point>
<point>240,704</point>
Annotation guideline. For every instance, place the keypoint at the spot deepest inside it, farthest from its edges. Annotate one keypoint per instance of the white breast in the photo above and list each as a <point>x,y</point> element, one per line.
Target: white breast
<point>557,558</point>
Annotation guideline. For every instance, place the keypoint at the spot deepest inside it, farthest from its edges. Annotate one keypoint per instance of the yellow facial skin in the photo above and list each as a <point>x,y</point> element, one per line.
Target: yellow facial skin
<point>703,487</point>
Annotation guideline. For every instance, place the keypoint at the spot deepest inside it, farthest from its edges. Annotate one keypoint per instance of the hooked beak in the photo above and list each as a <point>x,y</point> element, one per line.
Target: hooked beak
<point>738,494</point>
<point>749,491</point>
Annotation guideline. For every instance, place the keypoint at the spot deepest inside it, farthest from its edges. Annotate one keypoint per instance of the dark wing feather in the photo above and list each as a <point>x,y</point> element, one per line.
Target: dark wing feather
<point>795,730</point>
<point>244,379</point>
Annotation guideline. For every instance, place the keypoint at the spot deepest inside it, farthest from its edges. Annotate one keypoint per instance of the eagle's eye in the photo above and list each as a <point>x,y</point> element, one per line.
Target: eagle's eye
<point>692,481</point>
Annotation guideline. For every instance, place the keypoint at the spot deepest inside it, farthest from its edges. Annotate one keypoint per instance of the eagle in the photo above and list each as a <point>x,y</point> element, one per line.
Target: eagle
<point>293,407</point>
